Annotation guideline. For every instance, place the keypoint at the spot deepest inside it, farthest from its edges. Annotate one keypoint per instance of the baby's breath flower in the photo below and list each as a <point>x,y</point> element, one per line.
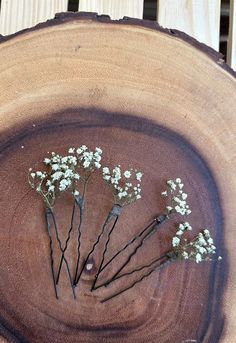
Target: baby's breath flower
<point>127,174</point>
<point>64,184</point>
<point>98,150</point>
<point>47,160</point>
<point>175,241</point>
<point>139,176</point>
<point>177,197</point>
<point>124,191</point>
<point>106,170</point>
<point>51,188</point>
<point>88,160</point>
<point>198,249</point>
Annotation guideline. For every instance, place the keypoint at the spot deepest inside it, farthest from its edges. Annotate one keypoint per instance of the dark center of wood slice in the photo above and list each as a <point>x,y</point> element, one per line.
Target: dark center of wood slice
<point>173,305</point>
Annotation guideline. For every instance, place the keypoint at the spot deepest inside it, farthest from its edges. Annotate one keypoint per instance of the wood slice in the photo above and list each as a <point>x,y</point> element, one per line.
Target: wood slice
<point>153,99</point>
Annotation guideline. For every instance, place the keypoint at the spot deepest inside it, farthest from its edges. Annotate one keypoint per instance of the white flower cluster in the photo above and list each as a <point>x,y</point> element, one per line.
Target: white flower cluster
<point>88,159</point>
<point>126,186</point>
<point>177,197</point>
<point>63,172</point>
<point>61,176</point>
<point>198,249</point>
<point>182,228</point>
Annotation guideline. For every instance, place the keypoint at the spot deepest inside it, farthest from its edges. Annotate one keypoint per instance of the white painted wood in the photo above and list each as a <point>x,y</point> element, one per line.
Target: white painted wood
<point>16,15</point>
<point>231,56</point>
<point>198,18</point>
<point>116,9</point>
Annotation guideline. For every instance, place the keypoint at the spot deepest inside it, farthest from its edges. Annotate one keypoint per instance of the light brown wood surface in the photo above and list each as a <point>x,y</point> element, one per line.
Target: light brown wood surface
<point>152,99</point>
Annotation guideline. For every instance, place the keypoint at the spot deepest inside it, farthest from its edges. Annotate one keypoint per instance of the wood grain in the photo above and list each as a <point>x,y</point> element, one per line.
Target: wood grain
<point>143,96</point>
<point>198,18</point>
<point>115,9</point>
<point>22,14</point>
<point>231,53</point>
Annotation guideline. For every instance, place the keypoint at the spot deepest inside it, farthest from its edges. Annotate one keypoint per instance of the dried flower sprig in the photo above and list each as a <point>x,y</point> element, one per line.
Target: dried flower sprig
<point>198,249</point>
<point>60,176</point>
<point>126,189</point>
<point>125,185</point>
<point>177,198</point>
<point>89,162</point>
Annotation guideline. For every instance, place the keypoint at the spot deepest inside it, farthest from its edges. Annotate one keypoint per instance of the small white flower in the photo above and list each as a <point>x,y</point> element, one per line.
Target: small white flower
<point>139,176</point>
<point>32,175</point>
<point>71,150</point>
<point>79,151</point>
<point>76,176</point>
<point>76,193</point>
<point>127,174</point>
<point>206,232</point>
<point>57,175</point>
<point>55,166</point>
<point>198,257</point>
<point>210,241</point>
<point>51,188</point>
<point>69,173</point>
<point>185,255</point>
<point>99,150</point>
<point>202,250</point>
<point>64,159</point>
<point>178,180</point>
<point>97,165</point>
<point>72,160</point>
<point>47,161</point>
<point>164,193</point>
<point>64,184</point>
<point>97,157</point>
<point>172,184</point>
<point>175,241</point>
<point>86,164</point>
<point>106,170</point>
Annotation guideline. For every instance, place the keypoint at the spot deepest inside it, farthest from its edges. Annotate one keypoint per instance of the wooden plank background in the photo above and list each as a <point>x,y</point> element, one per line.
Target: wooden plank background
<point>16,15</point>
<point>198,18</point>
<point>115,9</point>
<point>231,58</point>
